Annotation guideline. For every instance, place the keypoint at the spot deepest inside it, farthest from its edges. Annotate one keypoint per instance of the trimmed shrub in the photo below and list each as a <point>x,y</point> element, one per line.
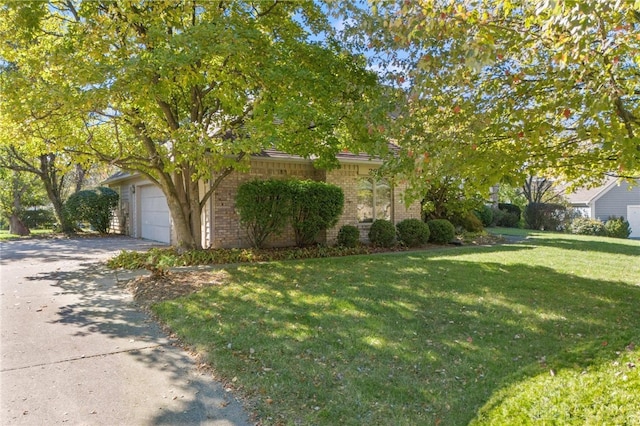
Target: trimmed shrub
<point>315,207</point>
<point>471,223</point>
<point>511,208</point>
<point>485,214</point>
<point>545,216</point>
<point>506,219</point>
<point>617,227</point>
<point>586,226</point>
<point>441,231</point>
<point>348,236</point>
<point>413,232</point>
<point>264,208</point>
<point>94,206</point>
<point>382,233</point>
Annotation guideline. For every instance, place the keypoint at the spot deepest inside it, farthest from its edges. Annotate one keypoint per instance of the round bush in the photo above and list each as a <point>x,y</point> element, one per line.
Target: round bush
<point>617,228</point>
<point>506,219</point>
<point>94,206</point>
<point>382,233</point>
<point>485,214</point>
<point>348,236</point>
<point>511,208</point>
<point>585,226</point>
<point>413,232</point>
<point>471,223</point>
<point>442,231</point>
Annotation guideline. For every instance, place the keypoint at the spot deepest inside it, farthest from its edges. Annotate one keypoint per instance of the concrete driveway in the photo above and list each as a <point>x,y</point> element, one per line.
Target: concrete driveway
<point>75,349</point>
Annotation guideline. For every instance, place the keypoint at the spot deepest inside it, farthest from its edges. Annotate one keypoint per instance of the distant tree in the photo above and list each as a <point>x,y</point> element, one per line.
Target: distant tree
<point>18,191</point>
<point>540,190</point>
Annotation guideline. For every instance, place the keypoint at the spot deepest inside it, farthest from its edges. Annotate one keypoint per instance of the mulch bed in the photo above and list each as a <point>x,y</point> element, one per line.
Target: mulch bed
<point>150,289</point>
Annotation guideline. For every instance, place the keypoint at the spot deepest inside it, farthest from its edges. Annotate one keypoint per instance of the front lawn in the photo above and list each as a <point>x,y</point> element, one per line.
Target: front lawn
<point>546,331</point>
<point>5,235</point>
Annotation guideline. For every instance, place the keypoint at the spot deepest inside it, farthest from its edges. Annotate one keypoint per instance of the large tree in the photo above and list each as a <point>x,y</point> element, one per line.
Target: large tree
<point>182,91</point>
<point>503,89</point>
<point>34,131</point>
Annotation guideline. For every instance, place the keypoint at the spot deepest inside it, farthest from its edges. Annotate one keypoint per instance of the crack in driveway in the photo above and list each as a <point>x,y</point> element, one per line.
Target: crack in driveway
<point>82,357</point>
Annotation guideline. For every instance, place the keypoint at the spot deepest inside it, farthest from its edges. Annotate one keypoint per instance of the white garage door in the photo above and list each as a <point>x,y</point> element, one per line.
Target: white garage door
<point>155,223</point>
<point>633,217</point>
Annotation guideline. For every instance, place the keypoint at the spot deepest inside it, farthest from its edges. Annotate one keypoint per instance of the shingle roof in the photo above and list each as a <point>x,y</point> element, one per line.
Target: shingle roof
<point>345,156</point>
<point>586,195</point>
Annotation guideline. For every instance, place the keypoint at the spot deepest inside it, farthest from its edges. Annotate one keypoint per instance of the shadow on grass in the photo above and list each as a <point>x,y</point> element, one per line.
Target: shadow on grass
<point>593,244</point>
<point>570,242</point>
<point>400,339</point>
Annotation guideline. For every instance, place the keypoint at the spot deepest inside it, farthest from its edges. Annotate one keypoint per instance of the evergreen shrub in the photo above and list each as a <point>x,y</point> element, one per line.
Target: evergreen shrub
<point>348,236</point>
<point>470,222</point>
<point>586,226</point>
<point>264,208</point>
<point>485,214</point>
<point>382,233</point>
<point>545,216</point>
<point>505,219</point>
<point>617,227</point>
<point>441,231</point>
<point>413,232</point>
<point>511,208</point>
<point>94,206</point>
<point>315,207</point>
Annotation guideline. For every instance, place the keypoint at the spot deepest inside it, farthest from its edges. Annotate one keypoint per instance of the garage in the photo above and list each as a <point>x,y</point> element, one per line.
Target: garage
<point>633,217</point>
<point>154,217</point>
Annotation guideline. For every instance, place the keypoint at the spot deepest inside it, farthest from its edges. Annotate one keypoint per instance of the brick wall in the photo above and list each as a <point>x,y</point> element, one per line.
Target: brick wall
<point>401,211</point>
<point>227,232</point>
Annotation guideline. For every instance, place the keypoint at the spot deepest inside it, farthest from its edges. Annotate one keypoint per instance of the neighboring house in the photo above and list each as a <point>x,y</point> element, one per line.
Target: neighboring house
<point>143,210</point>
<point>612,198</point>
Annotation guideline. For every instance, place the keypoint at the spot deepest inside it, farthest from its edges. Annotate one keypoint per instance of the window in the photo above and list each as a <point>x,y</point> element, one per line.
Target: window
<point>374,200</point>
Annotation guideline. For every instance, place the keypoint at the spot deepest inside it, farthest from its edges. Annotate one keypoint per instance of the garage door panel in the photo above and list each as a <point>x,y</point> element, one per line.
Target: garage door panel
<point>633,217</point>
<point>155,223</point>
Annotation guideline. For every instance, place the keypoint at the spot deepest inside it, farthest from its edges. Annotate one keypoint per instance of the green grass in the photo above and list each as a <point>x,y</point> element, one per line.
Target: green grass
<point>516,232</point>
<point>544,332</point>
<point>5,235</point>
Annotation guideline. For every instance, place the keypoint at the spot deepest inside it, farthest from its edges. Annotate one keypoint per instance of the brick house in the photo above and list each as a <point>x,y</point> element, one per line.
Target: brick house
<point>143,211</point>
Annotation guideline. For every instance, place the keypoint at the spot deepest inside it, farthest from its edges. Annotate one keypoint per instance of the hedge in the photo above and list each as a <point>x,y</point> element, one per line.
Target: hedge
<point>94,206</point>
<point>264,208</point>
<point>315,206</point>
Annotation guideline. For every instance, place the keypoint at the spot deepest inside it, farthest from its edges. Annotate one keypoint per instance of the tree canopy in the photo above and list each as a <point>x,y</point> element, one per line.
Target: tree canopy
<point>502,89</point>
<point>186,90</point>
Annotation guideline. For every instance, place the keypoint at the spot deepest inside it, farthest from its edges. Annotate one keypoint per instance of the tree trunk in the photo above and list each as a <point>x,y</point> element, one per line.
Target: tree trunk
<point>58,206</point>
<point>17,227</point>
<point>181,212</point>
<point>80,177</point>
